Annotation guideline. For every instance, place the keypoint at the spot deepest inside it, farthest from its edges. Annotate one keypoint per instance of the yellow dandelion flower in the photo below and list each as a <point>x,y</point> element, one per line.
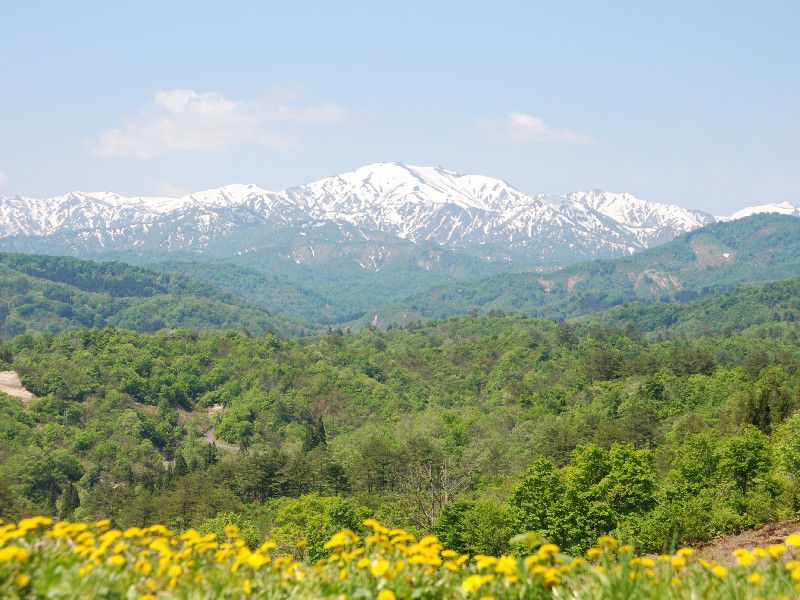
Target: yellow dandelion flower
<point>232,531</point>
<point>483,560</point>
<point>344,537</point>
<point>776,550</point>
<point>506,565</point>
<point>101,524</point>
<point>143,567</point>
<point>755,578</point>
<point>386,595</point>
<point>267,546</point>
<point>14,553</point>
<point>472,583</point>
<point>116,560</point>
<point>606,541</point>
<point>647,562</point>
<point>380,568</point>
<point>793,540</point>
<point>371,523</point>
<point>548,549</point>
<point>720,571</point>
<point>22,580</point>
<point>257,560</point>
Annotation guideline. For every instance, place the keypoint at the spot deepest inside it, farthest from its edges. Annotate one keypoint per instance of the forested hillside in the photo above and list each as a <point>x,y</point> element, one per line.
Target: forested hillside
<point>476,428</point>
<point>321,284</point>
<point>756,249</point>
<point>731,311</point>
<point>49,293</point>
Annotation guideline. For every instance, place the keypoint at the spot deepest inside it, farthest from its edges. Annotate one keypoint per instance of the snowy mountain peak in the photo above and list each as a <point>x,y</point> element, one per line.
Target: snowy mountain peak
<point>379,202</point>
<point>635,212</point>
<point>229,195</point>
<point>783,208</point>
<point>396,185</point>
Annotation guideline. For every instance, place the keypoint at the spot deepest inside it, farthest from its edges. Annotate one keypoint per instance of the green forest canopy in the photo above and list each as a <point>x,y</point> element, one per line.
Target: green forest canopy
<point>455,426</point>
<point>50,293</point>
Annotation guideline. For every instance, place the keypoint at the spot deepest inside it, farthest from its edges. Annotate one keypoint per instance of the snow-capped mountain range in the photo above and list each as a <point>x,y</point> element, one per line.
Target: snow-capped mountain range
<point>379,203</point>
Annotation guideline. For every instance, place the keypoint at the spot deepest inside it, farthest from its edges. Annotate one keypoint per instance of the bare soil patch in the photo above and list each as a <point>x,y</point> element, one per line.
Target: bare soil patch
<point>721,549</point>
<point>11,384</point>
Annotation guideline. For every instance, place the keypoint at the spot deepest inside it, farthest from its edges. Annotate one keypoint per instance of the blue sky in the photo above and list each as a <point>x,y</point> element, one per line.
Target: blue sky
<point>696,103</point>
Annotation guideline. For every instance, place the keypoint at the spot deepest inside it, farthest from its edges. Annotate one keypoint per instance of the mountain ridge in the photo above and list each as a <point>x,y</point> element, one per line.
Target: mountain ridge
<point>474,213</point>
<point>756,249</point>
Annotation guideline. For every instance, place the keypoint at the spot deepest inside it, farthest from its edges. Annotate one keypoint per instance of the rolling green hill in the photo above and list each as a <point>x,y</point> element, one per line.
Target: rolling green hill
<point>49,293</point>
<point>720,256</point>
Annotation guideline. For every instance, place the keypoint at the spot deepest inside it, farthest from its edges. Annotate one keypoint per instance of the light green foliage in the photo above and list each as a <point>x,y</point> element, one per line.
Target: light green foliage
<point>598,489</point>
<point>787,447</point>
<point>312,519</point>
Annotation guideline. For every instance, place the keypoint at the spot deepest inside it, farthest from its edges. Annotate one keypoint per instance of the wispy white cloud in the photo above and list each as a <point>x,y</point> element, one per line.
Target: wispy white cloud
<point>186,120</point>
<point>522,128</point>
<point>165,188</point>
<point>3,177</point>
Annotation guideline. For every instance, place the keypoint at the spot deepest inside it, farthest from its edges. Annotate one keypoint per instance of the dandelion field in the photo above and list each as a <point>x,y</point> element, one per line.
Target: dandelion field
<point>43,559</point>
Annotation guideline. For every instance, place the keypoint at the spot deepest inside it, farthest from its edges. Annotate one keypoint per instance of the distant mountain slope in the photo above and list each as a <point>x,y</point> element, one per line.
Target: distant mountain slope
<point>383,203</point>
<point>759,248</point>
<point>731,311</point>
<point>48,293</point>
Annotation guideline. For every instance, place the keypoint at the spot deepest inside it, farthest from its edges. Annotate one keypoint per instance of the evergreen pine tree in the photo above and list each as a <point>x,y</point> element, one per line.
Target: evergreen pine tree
<point>309,437</point>
<point>321,437</point>
<point>210,455</point>
<point>181,468</point>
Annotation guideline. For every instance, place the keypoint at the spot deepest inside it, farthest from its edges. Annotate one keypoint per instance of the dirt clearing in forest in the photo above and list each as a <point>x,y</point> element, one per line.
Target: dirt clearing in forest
<point>721,549</point>
<point>10,384</point>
